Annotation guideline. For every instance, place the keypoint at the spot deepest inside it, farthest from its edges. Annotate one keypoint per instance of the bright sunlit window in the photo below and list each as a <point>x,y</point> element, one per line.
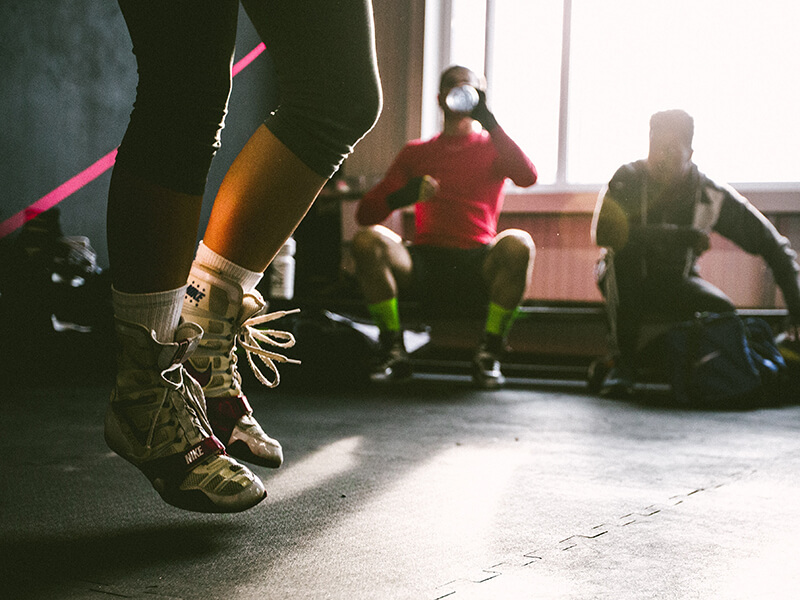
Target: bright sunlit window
<point>468,33</point>
<point>581,114</point>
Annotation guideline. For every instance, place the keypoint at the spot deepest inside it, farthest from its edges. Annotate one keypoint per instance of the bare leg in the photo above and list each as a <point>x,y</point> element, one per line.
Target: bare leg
<point>263,197</point>
<point>507,270</point>
<point>383,264</point>
<point>508,267</point>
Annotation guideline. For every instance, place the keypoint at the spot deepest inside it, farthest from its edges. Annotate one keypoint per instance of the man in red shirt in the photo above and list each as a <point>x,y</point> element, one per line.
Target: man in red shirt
<point>457,259</point>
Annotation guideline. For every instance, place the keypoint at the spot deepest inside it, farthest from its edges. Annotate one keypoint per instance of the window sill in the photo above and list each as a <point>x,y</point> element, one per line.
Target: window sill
<point>771,198</point>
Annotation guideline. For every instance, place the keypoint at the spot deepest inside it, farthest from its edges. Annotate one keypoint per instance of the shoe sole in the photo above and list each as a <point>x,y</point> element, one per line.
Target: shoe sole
<point>194,500</point>
<point>239,450</point>
<point>199,501</point>
<point>241,442</point>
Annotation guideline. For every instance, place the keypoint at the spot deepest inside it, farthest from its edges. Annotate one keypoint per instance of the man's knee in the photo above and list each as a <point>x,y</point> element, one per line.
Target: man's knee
<point>516,248</point>
<point>706,297</point>
<point>367,246</point>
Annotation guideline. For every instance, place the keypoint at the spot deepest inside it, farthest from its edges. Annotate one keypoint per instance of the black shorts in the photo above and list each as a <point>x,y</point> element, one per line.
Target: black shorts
<point>448,281</point>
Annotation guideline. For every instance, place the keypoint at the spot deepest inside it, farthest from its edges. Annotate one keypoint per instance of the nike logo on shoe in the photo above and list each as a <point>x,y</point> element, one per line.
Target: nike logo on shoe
<point>194,454</point>
<point>202,378</point>
<point>194,294</point>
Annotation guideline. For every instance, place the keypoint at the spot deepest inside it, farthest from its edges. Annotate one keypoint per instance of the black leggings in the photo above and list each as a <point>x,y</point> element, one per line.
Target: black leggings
<point>324,57</point>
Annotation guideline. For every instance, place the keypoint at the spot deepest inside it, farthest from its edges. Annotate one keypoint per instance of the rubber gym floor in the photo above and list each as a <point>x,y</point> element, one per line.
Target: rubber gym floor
<point>425,490</point>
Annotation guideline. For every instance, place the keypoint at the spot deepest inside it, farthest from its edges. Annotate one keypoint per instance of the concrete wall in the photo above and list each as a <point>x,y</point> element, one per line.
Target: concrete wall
<point>67,86</point>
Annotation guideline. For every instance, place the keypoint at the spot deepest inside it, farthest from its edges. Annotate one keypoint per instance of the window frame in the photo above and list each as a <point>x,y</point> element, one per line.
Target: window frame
<point>782,197</point>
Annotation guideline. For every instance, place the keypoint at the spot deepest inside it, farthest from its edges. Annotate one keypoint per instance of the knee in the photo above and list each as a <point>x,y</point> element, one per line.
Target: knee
<point>518,248</point>
<point>366,247</point>
<point>349,111</point>
<point>353,108</point>
<point>193,106</point>
<point>323,125</point>
<point>721,303</point>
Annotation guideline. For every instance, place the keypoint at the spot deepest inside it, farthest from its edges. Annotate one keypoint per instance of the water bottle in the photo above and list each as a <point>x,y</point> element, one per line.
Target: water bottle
<point>281,272</point>
<point>462,99</point>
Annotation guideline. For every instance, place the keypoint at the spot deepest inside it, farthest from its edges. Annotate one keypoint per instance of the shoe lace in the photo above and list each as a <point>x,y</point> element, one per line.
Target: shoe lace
<point>190,392</point>
<point>250,338</point>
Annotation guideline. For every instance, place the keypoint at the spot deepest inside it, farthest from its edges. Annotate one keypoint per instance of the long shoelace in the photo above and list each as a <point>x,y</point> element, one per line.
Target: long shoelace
<point>190,392</point>
<point>250,338</point>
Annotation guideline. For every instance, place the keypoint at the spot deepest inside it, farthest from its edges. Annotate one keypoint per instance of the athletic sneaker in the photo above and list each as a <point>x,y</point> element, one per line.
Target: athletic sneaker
<point>228,316</point>
<point>486,369</point>
<point>156,421</point>
<point>619,383</point>
<point>392,362</point>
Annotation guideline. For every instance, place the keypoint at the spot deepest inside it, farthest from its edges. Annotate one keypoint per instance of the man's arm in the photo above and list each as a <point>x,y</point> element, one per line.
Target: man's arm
<point>511,161</point>
<point>747,227</point>
<point>385,197</point>
<point>612,228</point>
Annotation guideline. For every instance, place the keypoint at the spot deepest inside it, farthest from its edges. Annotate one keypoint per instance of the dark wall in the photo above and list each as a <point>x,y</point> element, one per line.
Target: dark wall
<point>67,83</point>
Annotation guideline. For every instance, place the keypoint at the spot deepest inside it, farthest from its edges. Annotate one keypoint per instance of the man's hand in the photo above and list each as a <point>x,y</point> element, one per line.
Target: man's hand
<point>482,114</point>
<point>696,239</point>
<point>671,235</point>
<point>418,189</point>
<point>428,188</point>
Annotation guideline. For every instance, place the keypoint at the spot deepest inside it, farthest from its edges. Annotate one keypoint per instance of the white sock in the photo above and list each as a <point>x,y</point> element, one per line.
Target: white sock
<point>229,271</point>
<point>159,311</point>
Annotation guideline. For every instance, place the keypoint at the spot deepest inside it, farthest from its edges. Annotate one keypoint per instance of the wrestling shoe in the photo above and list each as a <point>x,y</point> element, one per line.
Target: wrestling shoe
<point>392,362</point>
<point>228,316</point>
<point>486,369</point>
<point>156,421</point>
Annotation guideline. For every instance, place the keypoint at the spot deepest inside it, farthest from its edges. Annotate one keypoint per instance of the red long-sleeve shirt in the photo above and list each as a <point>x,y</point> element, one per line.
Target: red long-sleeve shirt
<point>470,170</point>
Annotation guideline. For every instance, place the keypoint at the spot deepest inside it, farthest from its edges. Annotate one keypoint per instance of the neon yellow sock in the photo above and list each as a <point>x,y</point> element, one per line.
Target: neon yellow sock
<point>499,319</point>
<point>386,314</point>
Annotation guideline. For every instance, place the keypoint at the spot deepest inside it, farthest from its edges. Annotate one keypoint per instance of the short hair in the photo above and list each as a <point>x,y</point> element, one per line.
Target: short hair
<point>445,80</point>
<point>674,120</point>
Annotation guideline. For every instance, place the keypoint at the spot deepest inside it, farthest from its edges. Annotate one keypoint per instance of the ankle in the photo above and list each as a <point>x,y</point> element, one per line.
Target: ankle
<point>391,339</point>
<point>159,312</point>
<point>493,342</point>
<point>207,259</point>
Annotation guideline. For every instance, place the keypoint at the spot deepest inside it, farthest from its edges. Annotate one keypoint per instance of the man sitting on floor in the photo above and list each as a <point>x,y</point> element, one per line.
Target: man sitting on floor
<point>455,183</point>
<point>654,221</point>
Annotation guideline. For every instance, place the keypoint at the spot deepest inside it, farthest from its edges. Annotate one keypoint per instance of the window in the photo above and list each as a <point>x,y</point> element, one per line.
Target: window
<point>583,112</point>
<point>468,33</point>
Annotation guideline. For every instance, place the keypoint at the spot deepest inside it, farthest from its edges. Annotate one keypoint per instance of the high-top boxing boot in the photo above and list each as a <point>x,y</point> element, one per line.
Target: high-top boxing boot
<point>156,420</point>
<point>229,317</point>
